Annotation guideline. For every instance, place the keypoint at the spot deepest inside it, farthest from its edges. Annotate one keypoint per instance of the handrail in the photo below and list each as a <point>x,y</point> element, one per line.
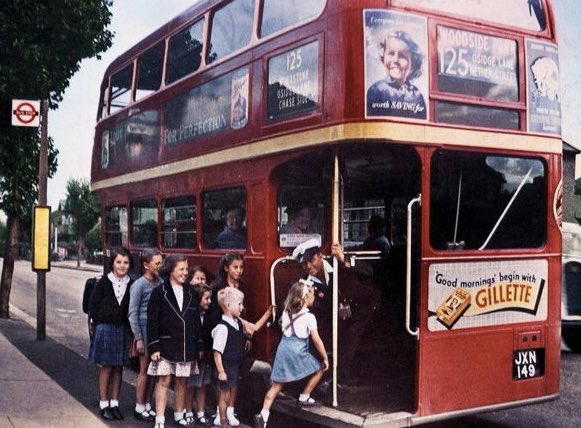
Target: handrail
<point>272,288</point>
<point>408,273</point>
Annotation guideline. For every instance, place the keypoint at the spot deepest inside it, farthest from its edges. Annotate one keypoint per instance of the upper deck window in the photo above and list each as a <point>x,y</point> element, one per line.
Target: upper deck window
<point>528,15</point>
<point>184,53</point>
<point>120,95</point>
<point>280,14</point>
<point>149,68</point>
<point>231,29</point>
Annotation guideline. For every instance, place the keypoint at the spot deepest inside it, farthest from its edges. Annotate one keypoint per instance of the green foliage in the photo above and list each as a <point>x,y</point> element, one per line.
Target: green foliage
<point>93,238</point>
<point>42,46</point>
<point>81,205</point>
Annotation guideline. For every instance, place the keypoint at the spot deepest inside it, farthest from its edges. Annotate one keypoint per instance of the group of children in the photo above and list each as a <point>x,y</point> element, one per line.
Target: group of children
<point>186,331</point>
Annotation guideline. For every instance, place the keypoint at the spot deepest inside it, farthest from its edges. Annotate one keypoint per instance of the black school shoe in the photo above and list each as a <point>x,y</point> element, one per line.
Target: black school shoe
<point>117,413</point>
<point>107,414</point>
<point>143,416</point>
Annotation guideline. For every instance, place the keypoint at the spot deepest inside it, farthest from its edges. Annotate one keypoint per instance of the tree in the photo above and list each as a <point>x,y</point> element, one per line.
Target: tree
<point>83,207</point>
<point>42,46</point>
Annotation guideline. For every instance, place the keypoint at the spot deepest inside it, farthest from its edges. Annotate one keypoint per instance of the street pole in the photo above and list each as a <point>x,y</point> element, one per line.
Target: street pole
<point>42,180</point>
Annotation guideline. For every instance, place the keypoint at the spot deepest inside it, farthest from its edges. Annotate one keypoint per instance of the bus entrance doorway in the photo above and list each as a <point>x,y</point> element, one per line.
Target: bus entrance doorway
<point>376,355</point>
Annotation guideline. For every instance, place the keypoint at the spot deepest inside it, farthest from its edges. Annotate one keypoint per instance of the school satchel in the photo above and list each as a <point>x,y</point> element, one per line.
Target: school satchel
<point>88,292</point>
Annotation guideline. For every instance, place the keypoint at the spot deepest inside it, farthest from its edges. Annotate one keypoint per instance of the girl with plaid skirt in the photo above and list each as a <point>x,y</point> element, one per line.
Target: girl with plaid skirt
<point>110,347</point>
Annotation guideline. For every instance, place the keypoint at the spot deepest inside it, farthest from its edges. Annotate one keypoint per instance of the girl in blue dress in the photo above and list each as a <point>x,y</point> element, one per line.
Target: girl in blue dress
<point>293,360</point>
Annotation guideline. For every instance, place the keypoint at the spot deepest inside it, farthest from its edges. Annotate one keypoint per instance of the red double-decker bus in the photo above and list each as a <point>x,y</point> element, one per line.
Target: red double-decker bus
<point>439,121</point>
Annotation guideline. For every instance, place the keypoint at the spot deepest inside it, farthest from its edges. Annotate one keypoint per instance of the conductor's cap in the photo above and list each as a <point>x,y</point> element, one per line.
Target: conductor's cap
<point>305,251</point>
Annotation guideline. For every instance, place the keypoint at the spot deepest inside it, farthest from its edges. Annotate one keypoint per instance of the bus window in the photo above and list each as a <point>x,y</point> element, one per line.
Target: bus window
<point>144,223</point>
<point>116,227</point>
<point>301,209</point>
<point>278,15</point>
<point>481,201</point>
<point>528,15</point>
<point>149,68</point>
<point>179,222</point>
<point>303,194</point>
<point>120,95</point>
<point>184,53</point>
<point>473,115</point>
<point>224,218</point>
<point>231,29</point>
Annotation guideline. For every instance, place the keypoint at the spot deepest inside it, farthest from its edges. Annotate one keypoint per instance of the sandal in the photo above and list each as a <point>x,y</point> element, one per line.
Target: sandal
<point>202,420</point>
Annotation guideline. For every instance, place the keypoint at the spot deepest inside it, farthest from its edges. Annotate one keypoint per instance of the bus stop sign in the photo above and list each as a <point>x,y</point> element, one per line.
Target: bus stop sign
<point>25,113</point>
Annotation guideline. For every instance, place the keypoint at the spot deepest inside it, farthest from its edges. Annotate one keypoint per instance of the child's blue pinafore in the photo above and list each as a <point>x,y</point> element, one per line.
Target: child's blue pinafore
<point>293,361</point>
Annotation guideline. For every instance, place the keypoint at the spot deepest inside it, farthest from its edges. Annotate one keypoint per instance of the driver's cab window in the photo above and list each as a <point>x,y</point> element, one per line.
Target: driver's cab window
<point>302,200</point>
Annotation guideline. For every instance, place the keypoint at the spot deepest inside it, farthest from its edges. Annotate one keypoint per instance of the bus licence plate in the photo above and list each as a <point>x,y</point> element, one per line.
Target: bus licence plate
<point>528,363</point>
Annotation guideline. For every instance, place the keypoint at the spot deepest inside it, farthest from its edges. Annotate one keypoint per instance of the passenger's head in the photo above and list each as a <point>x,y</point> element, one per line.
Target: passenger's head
<point>150,261</point>
<point>234,218</point>
<point>299,217</point>
<point>120,261</point>
<point>401,57</point>
<point>308,254</point>
<point>376,226</point>
<point>301,292</point>
<point>231,301</point>
<point>231,266</point>
<point>175,268</point>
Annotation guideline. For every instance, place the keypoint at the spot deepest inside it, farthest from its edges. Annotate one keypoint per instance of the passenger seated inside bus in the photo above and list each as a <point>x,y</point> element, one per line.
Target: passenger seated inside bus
<point>376,239</point>
<point>234,233</point>
<point>300,219</point>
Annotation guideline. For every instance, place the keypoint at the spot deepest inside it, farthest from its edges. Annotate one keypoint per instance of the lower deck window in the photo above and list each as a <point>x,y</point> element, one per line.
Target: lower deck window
<point>144,223</point>
<point>116,226</point>
<point>179,222</point>
<point>483,201</point>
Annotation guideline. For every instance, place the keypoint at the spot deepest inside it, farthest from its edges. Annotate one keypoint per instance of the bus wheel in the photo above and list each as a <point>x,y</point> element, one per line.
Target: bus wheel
<point>572,338</point>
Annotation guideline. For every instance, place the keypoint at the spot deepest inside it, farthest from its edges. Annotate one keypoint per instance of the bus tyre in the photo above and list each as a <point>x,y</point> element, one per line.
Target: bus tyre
<point>572,338</point>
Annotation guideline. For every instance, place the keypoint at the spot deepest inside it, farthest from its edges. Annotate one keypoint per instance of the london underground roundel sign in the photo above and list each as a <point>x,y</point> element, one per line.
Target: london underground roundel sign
<point>25,113</point>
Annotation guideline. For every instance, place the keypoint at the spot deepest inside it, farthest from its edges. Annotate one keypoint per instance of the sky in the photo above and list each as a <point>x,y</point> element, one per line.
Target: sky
<point>72,125</point>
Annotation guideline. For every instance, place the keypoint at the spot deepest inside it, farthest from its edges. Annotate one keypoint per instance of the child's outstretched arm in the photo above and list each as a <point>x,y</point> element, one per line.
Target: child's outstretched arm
<point>251,328</point>
<point>320,348</point>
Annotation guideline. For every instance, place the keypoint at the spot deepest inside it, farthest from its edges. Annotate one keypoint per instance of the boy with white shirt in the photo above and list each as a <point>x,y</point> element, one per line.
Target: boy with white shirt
<point>229,337</point>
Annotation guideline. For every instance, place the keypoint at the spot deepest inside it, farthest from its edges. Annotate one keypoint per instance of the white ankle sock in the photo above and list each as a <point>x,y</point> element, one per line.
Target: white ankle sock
<point>160,419</point>
<point>178,415</point>
<point>114,403</point>
<point>265,414</point>
<point>200,414</point>
<point>140,408</point>
<point>230,410</point>
<point>103,404</point>
<point>304,397</point>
